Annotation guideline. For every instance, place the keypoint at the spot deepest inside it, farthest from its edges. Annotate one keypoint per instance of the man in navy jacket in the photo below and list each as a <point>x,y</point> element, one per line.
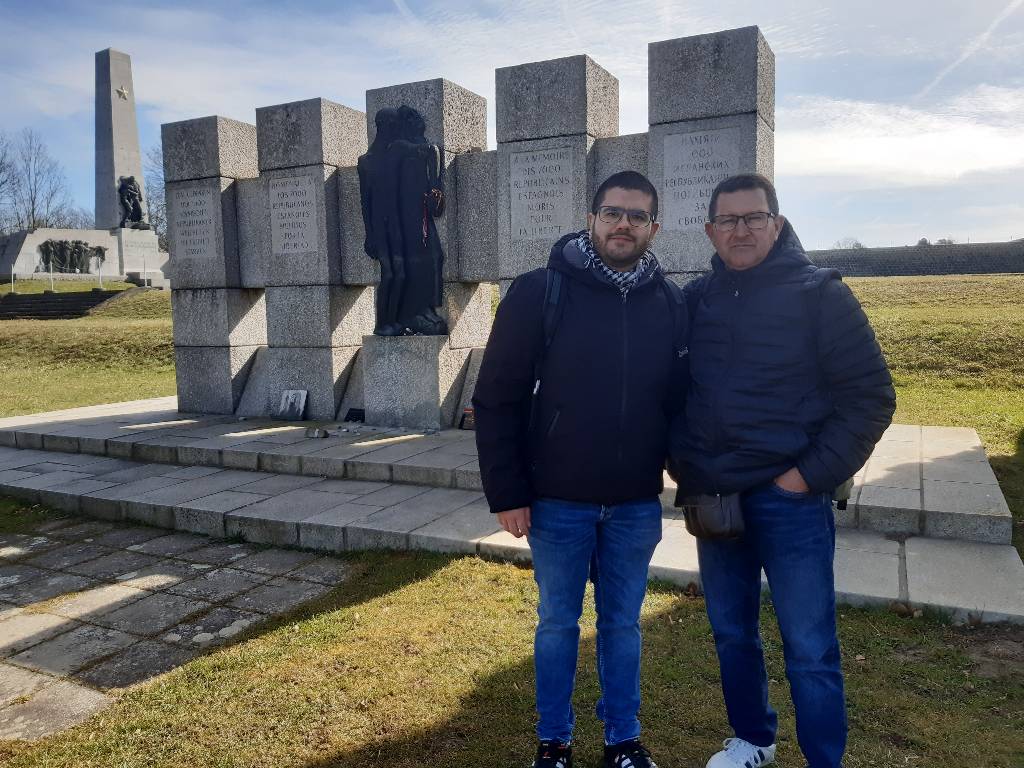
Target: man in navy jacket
<point>789,392</point>
<point>572,439</point>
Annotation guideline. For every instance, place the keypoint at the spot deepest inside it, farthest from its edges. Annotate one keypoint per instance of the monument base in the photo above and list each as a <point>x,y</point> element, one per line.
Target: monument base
<point>412,381</point>
<point>322,372</point>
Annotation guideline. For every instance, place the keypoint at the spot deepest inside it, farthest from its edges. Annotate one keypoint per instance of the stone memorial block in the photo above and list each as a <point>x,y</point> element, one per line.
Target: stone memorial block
<point>354,389</point>
<point>322,371</point>
<point>542,195</point>
<point>618,153</point>
<point>300,226</point>
<point>117,136</point>
<point>212,379</point>
<point>202,232</point>
<point>468,312</point>
<point>253,251</point>
<point>713,75</point>
<point>208,147</point>
<point>218,317</point>
<point>319,315</point>
<point>416,381</point>
<point>456,118</point>
<point>356,267</point>
<point>712,111</point>
<point>559,97</point>
<point>140,250</point>
<point>477,224</point>
<point>310,132</point>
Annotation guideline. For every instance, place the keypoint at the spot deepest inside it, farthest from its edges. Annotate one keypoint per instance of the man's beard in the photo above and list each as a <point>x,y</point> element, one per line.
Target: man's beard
<point>625,260</point>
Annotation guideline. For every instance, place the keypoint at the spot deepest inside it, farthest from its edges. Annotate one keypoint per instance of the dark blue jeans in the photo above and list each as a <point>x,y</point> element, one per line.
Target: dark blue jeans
<point>792,537</point>
<point>612,545</point>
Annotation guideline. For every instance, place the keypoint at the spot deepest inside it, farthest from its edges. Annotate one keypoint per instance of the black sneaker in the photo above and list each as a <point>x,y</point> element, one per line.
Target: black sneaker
<point>628,754</point>
<point>553,754</point>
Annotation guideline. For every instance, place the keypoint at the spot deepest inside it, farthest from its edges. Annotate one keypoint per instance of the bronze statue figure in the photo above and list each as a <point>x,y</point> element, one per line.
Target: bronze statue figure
<point>69,256</point>
<point>401,194</point>
<point>130,195</point>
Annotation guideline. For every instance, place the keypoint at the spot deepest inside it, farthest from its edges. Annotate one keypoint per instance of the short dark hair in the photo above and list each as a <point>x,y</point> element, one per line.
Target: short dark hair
<point>745,181</point>
<point>626,180</point>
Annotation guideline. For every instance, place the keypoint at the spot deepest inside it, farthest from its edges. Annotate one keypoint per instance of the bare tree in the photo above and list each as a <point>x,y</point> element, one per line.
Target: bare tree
<point>153,171</point>
<point>6,181</point>
<point>40,189</point>
<point>73,217</point>
<point>847,243</point>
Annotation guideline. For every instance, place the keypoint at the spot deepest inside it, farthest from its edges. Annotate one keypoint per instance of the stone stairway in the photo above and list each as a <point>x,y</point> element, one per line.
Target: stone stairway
<point>364,487</point>
<point>52,306</point>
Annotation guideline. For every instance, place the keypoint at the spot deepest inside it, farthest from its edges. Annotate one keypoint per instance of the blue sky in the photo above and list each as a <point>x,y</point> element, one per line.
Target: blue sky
<point>894,120</point>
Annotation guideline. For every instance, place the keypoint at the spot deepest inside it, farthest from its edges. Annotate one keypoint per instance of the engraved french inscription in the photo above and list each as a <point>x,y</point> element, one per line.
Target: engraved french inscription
<point>540,186</point>
<point>694,164</point>
<point>293,219</point>
<point>191,212</point>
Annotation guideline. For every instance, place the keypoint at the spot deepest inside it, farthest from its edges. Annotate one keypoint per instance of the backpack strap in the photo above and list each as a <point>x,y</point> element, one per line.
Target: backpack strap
<point>677,306</point>
<point>554,302</point>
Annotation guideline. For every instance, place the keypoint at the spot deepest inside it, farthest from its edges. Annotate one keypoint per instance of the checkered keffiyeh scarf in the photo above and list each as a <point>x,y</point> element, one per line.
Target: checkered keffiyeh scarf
<point>624,281</point>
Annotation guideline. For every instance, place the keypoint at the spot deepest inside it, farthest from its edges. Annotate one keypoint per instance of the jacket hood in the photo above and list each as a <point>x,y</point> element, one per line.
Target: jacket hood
<point>567,257</point>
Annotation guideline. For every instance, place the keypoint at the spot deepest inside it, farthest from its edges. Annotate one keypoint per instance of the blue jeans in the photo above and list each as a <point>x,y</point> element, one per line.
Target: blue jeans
<point>792,537</point>
<point>613,546</point>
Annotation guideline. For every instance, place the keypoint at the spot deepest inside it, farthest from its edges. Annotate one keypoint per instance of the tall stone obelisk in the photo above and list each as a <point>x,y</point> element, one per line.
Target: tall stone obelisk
<point>117,135</point>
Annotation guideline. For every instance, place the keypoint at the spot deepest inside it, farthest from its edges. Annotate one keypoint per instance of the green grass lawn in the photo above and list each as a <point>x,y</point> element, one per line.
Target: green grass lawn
<point>423,660</point>
<point>38,285</point>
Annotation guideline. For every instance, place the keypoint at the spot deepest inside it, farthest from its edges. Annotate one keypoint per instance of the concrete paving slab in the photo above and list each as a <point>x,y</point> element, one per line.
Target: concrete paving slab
<point>67,496</point>
<point>86,529</point>
<point>12,475</point>
<point>902,432</point>
<point>192,473</point>
<point>279,595</point>
<point>275,520</point>
<point>889,510</point>
<point>153,614</point>
<point>675,557</point>
<point>50,586</point>
<point>171,544</point>
<point>957,471</point>
<point>967,579</point>
<point>889,472</point>
<point>26,629</point>
<point>14,575</point>
<point>94,602</point>
<point>206,515</point>
<point>504,546</point>
<point>114,565</point>
<point>15,546</point>
<point>863,541</point>
<point>219,553</point>
<point>326,570</point>
<point>391,495</point>
<point>458,531</point>
<point>274,562</point>
<point>967,511</point>
<point>46,467</point>
<point>55,708</point>
<point>67,555</point>
<point>18,682</point>
<point>73,650</point>
<point>468,477</point>
<point>288,458</point>
<point>865,577</point>
<point>128,537</point>
<point>330,462</point>
<point>215,628</point>
<point>135,472</point>
<point>389,528</point>
<point>28,487</point>
<point>277,484</point>
<point>218,585</point>
<point>163,574</point>
<point>136,664</point>
<point>349,487</point>
<point>325,532</point>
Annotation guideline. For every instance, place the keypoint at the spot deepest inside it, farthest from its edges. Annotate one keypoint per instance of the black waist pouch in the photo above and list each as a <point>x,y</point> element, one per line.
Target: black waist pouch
<point>710,516</point>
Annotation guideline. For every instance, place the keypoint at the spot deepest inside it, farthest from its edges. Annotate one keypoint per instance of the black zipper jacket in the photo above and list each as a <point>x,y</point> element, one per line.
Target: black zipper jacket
<point>611,381</point>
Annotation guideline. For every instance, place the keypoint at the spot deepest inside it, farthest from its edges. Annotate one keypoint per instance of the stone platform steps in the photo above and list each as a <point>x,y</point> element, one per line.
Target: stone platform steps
<point>365,508</point>
<point>930,481</point>
<point>52,306</point>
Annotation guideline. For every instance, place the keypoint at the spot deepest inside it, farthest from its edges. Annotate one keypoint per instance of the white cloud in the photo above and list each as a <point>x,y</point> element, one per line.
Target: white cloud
<point>871,145</point>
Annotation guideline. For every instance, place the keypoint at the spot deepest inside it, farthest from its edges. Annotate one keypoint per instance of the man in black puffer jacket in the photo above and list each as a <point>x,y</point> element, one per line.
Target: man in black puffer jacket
<point>572,440</point>
<point>788,395</point>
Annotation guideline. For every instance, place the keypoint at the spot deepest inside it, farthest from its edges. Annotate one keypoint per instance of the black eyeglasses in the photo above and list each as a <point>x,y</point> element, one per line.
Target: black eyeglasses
<point>611,214</point>
<point>756,220</point>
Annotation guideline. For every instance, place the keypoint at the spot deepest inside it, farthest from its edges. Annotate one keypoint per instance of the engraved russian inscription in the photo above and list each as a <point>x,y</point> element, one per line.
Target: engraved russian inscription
<point>694,164</point>
<point>192,212</point>
<point>293,219</point>
<point>540,186</point>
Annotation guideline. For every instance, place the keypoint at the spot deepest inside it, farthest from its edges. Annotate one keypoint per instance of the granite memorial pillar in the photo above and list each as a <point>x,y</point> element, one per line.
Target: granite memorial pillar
<point>291,246</point>
<point>218,324</point>
<point>549,114</point>
<point>711,107</point>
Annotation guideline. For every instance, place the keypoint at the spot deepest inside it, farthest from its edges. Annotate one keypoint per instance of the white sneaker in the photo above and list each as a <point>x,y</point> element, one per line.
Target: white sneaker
<point>741,754</point>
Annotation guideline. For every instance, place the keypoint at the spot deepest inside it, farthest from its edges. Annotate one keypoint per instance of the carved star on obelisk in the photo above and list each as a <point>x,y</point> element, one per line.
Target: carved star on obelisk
<point>122,92</point>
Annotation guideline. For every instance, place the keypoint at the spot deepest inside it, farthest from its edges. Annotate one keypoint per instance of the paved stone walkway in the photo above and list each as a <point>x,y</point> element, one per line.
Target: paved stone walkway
<point>89,606</point>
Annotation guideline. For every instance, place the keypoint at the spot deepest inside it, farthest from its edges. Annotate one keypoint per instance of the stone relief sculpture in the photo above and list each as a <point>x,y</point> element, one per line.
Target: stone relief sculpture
<point>130,195</point>
<point>69,256</point>
<point>401,194</point>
